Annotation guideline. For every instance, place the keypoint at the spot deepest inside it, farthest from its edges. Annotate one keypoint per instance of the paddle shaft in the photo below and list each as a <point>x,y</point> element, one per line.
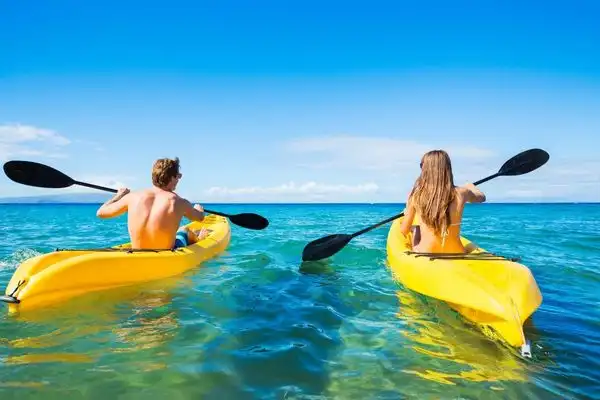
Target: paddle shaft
<point>367,229</point>
<point>479,182</point>
<point>390,219</point>
<point>91,185</point>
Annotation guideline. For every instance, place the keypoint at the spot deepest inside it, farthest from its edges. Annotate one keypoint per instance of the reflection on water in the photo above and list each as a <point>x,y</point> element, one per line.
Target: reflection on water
<point>255,323</point>
<point>130,319</point>
<point>48,358</point>
<point>151,325</point>
<point>467,355</point>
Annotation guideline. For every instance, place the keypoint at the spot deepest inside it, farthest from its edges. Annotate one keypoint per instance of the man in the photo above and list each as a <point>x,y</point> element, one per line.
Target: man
<point>154,214</point>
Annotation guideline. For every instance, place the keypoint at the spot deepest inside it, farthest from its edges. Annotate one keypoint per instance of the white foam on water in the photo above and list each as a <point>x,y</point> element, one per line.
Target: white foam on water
<point>17,258</point>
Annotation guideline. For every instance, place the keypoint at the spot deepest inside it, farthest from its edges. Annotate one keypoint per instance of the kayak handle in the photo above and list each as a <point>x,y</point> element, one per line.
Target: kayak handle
<point>9,299</point>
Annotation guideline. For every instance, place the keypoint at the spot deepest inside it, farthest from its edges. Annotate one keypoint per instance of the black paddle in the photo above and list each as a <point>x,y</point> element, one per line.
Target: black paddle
<point>327,246</point>
<point>35,174</point>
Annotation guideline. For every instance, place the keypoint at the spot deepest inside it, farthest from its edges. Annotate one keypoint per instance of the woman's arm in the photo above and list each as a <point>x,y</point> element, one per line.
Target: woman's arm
<point>409,215</point>
<point>471,194</point>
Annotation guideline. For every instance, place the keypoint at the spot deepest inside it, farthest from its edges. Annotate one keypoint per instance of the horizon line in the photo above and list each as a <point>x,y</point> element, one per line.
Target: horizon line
<point>300,203</point>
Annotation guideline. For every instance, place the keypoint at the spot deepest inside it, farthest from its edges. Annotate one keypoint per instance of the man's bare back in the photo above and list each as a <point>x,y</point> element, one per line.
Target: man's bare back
<point>153,218</point>
<point>154,214</point>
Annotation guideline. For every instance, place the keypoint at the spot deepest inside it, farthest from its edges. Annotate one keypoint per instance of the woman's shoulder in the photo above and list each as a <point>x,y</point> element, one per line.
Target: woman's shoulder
<point>462,193</point>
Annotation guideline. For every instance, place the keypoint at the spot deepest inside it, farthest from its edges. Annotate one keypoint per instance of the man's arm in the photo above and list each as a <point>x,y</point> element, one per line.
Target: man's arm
<point>195,213</point>
<point>115,206</point>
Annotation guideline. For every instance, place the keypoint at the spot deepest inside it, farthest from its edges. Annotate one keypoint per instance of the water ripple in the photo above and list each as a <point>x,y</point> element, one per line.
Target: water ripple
<point>257,322</point>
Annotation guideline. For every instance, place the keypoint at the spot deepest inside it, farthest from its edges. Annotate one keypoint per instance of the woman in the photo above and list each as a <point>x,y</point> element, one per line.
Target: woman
<point>438,206</point>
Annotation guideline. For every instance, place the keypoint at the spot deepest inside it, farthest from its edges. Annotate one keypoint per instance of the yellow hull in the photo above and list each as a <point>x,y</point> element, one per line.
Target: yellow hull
<point>494,293</point>
<point>54,277</point>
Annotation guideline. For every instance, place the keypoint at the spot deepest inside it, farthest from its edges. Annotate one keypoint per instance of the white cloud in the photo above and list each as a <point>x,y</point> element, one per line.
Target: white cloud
<point>96,146</point>
<point>17,133</point>
<point>393,164</point>
<point>309,191</point>
<point>373,153</point>
<point>18,140</point>
<point>525,193</point>
<point>586,170</point>
<point>561,179</point>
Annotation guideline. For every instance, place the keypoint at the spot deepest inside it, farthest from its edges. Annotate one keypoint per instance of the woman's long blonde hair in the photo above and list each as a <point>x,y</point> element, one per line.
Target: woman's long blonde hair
<point>434,190</point>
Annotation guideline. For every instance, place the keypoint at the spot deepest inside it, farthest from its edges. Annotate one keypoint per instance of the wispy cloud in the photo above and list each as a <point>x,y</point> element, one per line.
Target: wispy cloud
<point>309,191</point>
<point>525,193</point>
<point>96,146</point>
<point>17,140</point>
<point>562,179</point>
<point>393,163</point>
<point>586,170</point>
<point>372,153</point>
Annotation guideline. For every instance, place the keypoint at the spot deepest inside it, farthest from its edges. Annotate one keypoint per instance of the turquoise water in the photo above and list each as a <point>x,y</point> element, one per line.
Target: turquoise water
<point>257,323</point>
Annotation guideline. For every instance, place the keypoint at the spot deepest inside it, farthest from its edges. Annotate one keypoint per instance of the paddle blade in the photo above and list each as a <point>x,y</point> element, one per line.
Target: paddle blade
<point>524,162</point>
<point>34,174</point>
<point>250,221</point>
<point>325,247</point>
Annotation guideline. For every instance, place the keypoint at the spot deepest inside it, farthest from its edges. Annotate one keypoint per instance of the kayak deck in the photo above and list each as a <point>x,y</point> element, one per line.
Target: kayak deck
<point>489,290</point>
<point>63,274</point>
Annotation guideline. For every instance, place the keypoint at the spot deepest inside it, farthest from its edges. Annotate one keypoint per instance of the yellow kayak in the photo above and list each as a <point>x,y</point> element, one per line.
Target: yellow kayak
<point>63,274</point>
<point>494,292</point>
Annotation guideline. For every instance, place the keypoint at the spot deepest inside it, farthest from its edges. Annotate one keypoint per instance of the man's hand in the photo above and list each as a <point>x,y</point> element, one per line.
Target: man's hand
<point>195,213</point>
<point>115,206</point>
<point>122,192</point>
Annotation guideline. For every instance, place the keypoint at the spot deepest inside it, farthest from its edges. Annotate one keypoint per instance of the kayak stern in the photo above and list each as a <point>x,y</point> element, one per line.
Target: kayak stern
<point>493,292</point>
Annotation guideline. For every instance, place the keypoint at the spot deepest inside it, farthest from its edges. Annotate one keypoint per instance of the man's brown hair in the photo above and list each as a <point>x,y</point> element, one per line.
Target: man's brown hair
<point>164,170</point>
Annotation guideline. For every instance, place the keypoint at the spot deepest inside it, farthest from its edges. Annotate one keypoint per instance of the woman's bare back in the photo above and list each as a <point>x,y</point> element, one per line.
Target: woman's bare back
<point>447,242</point>
<point>427,241</point>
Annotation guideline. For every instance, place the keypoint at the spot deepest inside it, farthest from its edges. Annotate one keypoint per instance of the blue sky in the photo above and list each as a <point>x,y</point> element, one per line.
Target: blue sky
<point>304,101</point>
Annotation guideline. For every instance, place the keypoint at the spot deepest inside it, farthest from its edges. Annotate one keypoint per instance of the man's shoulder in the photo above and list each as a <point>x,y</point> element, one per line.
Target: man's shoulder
<point>143,193</point>
<point>174,197</point>
<point>151,192</point>
<point>182,201</point>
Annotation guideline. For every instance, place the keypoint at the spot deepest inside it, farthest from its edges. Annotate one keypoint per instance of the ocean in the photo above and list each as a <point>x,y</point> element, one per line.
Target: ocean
<point>256,322</point>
